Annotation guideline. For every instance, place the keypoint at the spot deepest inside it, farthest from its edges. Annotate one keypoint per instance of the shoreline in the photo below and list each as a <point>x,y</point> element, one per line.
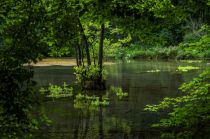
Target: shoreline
<point>58,62</point>
<point>67,61</point>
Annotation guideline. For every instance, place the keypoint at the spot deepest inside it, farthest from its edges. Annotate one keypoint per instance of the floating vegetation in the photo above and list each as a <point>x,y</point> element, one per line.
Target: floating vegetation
<point>192,61</point>
<point>85,101</point>
<point>56,91</point>
<point>82,100</point>
<point>153,70</point>
<point>119,92</point>
<point>186,68</point>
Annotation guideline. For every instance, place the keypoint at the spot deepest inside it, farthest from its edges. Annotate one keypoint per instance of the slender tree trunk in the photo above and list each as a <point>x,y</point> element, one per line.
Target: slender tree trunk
<point>94,57</point>
<point>82,56</point>
<point>85,42</point>
<point>79,55</point>
<point>76,55</point>
<point>101,45</point>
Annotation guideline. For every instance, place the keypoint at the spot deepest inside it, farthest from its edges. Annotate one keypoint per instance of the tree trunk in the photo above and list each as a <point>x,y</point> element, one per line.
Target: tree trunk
<point>101,45</point>
<point>76,55</point>
<point>82,55</point>
<point>85,42</point>
<point>79,55</point>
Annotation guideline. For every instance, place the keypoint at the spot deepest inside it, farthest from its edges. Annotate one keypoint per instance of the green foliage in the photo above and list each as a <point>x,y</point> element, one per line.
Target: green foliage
<point>150,53</point>
<point>188,115</point>
<point>186,68</point>
<point>182,55</point>
<point>21,31</point>
<point>191,37</point>
<point>31,28</point>
<point>119,92</point>
<point>18,100</point>
<point>198,47</point>
<point>61,30</point>
<point>60,52</point>
<point>92,102</point>
<point>88,73</point>
<point>56,91</point>
<point>192,61</point>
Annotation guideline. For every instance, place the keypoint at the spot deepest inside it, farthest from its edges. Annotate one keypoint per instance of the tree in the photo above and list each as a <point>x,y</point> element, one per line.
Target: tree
<point>21,31</point>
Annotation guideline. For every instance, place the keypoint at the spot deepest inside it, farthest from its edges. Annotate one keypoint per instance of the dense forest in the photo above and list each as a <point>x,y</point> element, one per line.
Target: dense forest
<point>93,32</point>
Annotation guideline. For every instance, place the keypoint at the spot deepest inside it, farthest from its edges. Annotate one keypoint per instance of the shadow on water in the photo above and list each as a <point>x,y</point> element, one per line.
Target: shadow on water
<point>84,117</point>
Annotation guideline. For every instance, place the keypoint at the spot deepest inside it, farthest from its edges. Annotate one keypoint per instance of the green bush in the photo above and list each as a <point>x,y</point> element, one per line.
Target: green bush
<point>18,101</point>
<point>191,37</point>
<point>60,52</point>
<point>149,53</point>
<point>207,54</point>
<point>188,115</point>
<point>182,55</point>
<point>161,53</point>
<point>88,73</point>
<point>196,48</point>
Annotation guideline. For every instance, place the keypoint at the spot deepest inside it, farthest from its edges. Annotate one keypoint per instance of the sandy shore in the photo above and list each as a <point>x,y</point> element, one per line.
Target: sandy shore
<point>59,62</point>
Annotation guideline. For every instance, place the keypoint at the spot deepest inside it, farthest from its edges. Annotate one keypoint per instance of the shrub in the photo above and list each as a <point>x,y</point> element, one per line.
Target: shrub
<point>88,73</point>
<point>196,48</point>
<point>182,55</point>
<point>188,115</point>
<point>18,101</point>
<point>207,54</point>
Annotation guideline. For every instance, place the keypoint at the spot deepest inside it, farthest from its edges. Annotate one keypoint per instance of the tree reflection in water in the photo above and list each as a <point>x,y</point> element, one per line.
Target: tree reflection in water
<point>88,118</point>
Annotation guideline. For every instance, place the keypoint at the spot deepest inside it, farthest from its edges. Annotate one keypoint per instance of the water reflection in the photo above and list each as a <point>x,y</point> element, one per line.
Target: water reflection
<point>87,118</point>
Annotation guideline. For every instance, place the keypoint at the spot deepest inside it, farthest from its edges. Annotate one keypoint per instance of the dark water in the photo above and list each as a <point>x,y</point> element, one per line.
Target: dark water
<point>147,82</point>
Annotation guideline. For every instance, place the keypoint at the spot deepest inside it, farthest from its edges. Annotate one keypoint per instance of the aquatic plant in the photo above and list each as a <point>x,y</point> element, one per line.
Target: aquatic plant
<point>192,61</point>
<point>56,91</point>
<point>92,102</point>
<point>153,70</point>
<point>186,68</point>
<point>119,92</point>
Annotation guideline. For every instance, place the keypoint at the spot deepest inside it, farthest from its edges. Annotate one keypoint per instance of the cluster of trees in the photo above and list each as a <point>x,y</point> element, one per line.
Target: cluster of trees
<point>82,28</point>
<point>131,25</point>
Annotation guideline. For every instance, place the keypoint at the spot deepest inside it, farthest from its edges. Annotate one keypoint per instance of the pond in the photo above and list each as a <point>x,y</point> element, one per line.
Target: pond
<point>146,82</point>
